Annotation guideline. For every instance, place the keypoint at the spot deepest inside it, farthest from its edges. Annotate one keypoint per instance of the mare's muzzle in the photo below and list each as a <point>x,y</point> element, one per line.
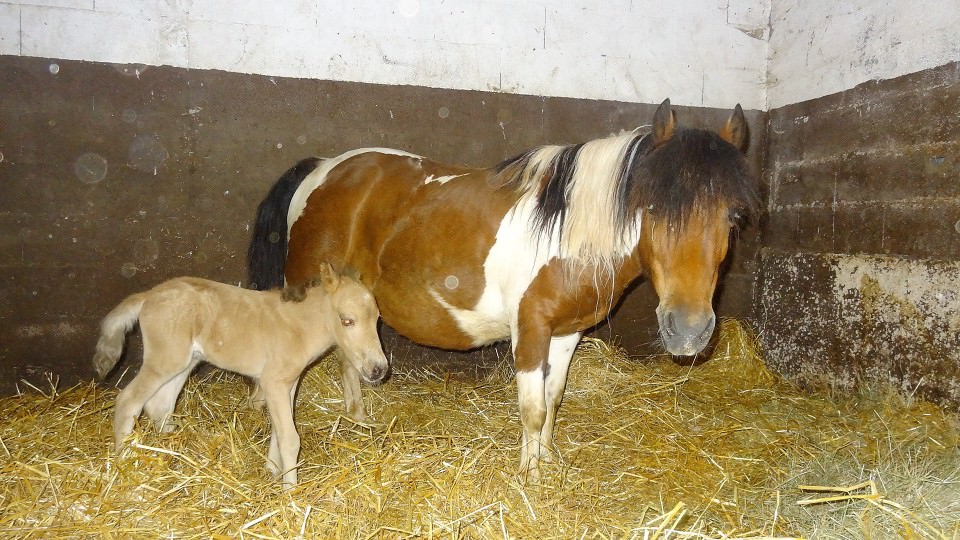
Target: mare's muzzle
<point>685,333</point>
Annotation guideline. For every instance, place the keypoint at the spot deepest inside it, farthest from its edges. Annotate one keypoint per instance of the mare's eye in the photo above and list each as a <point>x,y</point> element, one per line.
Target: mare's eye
<point>346,321</point>
<point>737,218</point>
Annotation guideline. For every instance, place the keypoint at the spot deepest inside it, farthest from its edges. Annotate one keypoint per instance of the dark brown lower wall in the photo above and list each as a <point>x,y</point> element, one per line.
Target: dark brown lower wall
<point>116,177</point>
<point>860,263</point>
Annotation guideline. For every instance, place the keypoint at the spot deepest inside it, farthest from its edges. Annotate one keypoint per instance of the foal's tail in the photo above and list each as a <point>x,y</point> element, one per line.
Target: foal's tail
<point>113,333</point>
<point>267,253</point>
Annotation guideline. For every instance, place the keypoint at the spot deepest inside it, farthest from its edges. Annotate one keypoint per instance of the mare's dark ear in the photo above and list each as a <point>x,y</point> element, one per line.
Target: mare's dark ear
<point>735,130</point>
<point>329,278</point>
<point>664,122</point>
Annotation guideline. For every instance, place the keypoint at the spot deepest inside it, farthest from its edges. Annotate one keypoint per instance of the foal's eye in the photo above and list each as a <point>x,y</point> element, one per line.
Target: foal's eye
<point>347,321</point>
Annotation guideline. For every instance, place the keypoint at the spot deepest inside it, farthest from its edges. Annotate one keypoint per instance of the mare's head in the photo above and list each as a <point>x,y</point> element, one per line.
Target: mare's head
<point>354,315</point>
<point>693,186</point>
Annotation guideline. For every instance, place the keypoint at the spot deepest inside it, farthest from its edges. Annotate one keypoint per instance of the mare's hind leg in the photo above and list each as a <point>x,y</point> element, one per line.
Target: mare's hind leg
<point>161,405</point>
<point>352,400</point>
<point>558,363</point>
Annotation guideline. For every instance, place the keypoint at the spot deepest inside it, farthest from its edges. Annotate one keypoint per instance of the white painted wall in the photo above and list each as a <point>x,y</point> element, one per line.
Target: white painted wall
<point>697,52</point>
<point>820,47</point>
<point>711,53</point>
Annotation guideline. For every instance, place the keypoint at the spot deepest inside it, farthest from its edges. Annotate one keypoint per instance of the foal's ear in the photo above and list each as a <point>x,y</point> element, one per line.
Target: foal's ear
<point>329,278</point>
<point>664,122</point>
<point>735,130</point>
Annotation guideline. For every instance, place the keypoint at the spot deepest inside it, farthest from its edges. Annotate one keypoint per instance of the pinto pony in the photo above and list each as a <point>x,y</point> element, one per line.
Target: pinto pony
<point>258,334</point>
<point>537,249</point>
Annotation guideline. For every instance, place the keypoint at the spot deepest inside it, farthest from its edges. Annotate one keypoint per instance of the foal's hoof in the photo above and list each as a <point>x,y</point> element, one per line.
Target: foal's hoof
<point>256,402</point>
<point>358,415</point>
<point>167,426</point>
<point>529,474</point>
<point>273,469</point>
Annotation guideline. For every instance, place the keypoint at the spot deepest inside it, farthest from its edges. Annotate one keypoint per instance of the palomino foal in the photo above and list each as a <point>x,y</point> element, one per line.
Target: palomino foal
<point>260,334</point>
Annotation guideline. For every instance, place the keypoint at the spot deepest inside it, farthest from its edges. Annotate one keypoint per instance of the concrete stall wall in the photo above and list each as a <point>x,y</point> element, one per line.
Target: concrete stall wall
<point>860,266</point>
<point>136,138</point>
<point>120,175</point>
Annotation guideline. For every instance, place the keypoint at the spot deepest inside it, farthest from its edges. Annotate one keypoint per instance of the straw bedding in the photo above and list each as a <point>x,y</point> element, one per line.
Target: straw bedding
<point>646,449</point>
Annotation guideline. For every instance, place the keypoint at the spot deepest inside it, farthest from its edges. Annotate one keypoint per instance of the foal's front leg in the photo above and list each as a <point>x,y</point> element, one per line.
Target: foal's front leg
<point>352,400</point>
<point>284,439</point>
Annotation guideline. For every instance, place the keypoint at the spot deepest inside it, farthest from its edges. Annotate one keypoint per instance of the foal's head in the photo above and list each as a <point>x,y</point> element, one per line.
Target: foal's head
<point>355,323</point>
<point>693,187</point>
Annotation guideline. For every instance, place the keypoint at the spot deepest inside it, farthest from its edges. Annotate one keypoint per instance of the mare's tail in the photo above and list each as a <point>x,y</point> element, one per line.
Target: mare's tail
<point>113,333</point>
<point>267,253</point>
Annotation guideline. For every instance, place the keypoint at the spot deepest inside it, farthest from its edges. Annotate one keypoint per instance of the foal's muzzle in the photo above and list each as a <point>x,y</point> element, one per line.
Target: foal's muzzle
<point>376,372</point>
<point>684,333</point>
<point>376,375</point>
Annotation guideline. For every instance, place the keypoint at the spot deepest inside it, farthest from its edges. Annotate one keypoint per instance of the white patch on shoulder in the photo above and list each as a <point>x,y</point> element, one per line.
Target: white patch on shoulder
<point>442,179</point>
<point>319,176</point>
<point>513,261</point>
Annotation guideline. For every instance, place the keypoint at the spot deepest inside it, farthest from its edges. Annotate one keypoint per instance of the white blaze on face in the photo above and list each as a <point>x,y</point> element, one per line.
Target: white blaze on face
<point>316,178</point>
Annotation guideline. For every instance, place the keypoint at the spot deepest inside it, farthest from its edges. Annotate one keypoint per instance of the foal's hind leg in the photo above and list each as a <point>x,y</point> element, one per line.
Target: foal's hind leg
<point>256,400</point>
<point>161,405</point>
<point>163,359</point>
<point>131,399</point>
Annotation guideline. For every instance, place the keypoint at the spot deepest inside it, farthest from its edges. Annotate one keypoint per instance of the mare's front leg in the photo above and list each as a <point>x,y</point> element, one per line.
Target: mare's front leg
<point>542,365</point>
<point>558,364</point>
<point>284,439</point>
<point>531,344</point>
<point>352,400</point>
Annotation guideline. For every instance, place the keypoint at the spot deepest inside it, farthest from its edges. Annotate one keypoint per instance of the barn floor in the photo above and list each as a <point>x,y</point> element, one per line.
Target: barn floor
<point>647,449</point>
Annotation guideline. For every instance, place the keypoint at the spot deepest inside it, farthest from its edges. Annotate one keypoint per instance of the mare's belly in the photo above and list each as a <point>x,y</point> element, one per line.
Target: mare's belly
<point>431,316</point>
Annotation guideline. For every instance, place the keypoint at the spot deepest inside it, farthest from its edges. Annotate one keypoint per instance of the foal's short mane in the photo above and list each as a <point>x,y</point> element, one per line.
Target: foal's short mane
<point>588,198</point>
<point>298,293</point>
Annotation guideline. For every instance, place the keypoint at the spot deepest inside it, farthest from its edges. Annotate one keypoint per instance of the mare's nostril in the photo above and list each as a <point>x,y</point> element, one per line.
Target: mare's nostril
<point>671,325</point>
<point>708,330</point>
